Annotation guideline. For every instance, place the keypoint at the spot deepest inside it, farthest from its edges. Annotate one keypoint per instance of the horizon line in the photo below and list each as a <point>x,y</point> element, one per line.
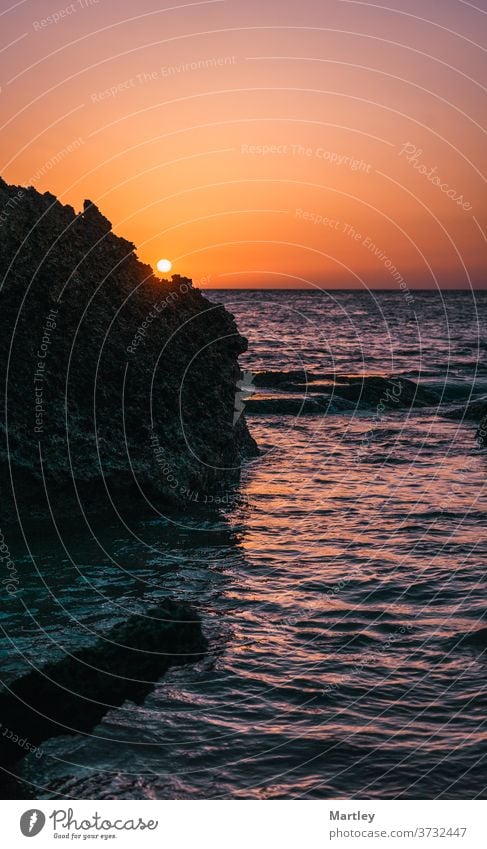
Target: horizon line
<point>334,289</point>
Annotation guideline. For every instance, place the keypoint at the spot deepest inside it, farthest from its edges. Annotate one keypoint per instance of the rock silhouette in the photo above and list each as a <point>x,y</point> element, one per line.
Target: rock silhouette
<point>118,383</point>
<point>72,695</point>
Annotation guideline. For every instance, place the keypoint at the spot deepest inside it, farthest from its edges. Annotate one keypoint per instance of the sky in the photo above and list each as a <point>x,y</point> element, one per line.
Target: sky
<point>260,144</point>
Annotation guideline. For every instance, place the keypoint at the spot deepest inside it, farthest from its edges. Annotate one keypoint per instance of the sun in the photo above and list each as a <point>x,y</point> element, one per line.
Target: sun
<point>164,265</point>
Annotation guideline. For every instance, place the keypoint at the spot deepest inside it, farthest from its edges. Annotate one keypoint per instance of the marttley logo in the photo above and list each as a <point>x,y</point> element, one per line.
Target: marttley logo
<point>32,822</point>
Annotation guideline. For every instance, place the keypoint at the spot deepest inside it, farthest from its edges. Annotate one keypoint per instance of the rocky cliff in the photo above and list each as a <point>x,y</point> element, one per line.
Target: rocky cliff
<point>115,384</point>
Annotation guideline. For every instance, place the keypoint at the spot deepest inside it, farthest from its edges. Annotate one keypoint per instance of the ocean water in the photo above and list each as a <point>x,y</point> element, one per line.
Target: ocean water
<point>342,589</point>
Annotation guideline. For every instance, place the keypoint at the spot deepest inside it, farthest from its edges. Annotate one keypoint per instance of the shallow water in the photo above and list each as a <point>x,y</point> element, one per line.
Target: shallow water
<point>335,588</point>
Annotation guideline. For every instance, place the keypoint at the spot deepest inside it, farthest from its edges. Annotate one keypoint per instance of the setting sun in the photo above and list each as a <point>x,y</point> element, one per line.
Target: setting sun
<point>164,265</point>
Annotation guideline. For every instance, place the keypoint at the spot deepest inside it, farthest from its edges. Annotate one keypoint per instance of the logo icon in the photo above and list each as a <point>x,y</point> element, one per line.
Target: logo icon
<point>32,822</point>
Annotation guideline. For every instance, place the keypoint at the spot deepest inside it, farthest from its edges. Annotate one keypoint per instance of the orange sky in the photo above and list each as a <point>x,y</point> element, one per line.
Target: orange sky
<point>260,144</point>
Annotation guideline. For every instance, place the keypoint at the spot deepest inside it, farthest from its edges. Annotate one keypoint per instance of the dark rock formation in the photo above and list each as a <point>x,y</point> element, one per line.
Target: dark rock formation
<point>301,393</point>
<point>72,695</point>
<point>475,412</point>
<point>273,379</point>
<point>476,638</point>
<point>114,378</point>
<point>392,392</point>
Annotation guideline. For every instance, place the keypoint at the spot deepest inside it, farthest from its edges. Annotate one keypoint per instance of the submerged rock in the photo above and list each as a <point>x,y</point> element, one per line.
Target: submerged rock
<point>297,392</point>
<point>475,412</point>
<point>72,695</point>
<point>118,383</point>
<point>391,392</point>
<point>477,638</point>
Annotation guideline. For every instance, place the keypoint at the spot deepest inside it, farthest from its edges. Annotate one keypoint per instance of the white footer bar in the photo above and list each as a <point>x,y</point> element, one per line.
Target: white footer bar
<point>244,824</point>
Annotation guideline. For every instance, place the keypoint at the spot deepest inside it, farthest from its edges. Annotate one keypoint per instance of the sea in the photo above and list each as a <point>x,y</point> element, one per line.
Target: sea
<point>341,585</point>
